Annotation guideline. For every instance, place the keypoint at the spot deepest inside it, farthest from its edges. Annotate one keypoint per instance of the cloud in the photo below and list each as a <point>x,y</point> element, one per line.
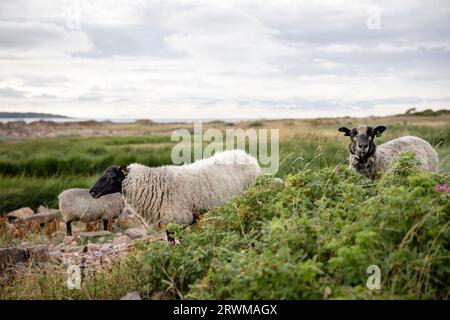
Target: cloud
<point>46,96</point>
<point>234,59</point>
<point>128,40</point>
<point>11,93</point>
<point>43,81</point>
<point>37,38</point>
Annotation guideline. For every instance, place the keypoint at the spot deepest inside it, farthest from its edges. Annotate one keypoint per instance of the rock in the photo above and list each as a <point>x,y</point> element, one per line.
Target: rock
<point>55,258</point>
<point>12,256</point>
<point>62,225</point>
<point>10,229</point>
<point>163,295</point>
<point>72,248</point>
<point>68,240</point>
<point>43,209</point>
<point>106,247</point>
<point>91,247</point>
<point>39,253</point>
<point>93,234</point>
<point>20,213</point>
<point>20,265</point>
<point>277,182</point>
<point>326,293</point>
<point>101,239</point>
<point>42,218</point>
<point>122,241</point>
<point>133,295</point>
<point>126,220</point>
<point>135,233</point>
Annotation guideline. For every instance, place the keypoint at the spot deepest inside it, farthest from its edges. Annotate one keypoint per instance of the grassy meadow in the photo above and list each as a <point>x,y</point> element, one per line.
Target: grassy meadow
<point>312,238</point>
<point>34,172</point>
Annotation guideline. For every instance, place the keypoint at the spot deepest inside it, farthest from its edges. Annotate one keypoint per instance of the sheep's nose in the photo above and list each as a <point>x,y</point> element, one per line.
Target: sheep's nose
<point>363,146</point>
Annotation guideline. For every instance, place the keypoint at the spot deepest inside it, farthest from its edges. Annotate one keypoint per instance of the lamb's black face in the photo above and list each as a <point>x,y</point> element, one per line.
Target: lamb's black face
<point>109,182</point>
<point>362,140</point>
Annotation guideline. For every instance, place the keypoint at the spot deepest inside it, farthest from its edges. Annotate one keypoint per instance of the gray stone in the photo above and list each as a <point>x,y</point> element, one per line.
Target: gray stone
<point>39,253</point>
<point>55,258</point>
<point>12,256</point>
<point>42,218</point>
<point>93,234</point>
<point>126,220</point>
<point>133,295</point>
<point>43,209</point>
<point>123,241</point>
<point>20,213</point>
<point>10,229</point>
<point>135,233</point>
<point>277,182</point>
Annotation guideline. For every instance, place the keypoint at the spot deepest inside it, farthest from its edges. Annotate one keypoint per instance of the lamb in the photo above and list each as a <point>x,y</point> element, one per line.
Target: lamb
<point>369,160</point>
<point>77,204</point>
<point>176,194</point>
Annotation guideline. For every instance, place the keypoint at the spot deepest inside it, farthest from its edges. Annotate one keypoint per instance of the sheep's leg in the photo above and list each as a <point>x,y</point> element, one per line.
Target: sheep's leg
<point>105,224</point>
<point>69,227</point>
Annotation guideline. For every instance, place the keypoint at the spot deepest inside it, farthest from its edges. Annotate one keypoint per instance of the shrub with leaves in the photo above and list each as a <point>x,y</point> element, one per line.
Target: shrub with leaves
<point>312,238</point>
<point>317,234</point>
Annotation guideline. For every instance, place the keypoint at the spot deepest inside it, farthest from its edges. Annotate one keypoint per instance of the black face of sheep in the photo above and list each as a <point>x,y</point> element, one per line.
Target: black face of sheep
<point>109,182</point>
<point>362,140</point>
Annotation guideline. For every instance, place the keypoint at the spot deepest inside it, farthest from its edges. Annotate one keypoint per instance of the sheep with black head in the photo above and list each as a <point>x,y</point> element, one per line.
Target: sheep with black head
<point>370,160</point>
<point>175,194</point>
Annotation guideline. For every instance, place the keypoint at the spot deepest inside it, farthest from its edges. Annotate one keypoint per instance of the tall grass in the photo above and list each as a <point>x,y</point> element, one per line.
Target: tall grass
<point>299,153</point>
<point>34,172</point>
<point>25,191</point>
<point>78,155</point>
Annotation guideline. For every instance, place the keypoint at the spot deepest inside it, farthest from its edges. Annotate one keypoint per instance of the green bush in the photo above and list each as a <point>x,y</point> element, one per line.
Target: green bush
<point>323,229</point>
<point>312,238</point>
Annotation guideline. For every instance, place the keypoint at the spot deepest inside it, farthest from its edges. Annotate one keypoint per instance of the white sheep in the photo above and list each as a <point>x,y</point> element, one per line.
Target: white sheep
<point>77,204</point>
<point>175,194</point>
<point>369,159</point>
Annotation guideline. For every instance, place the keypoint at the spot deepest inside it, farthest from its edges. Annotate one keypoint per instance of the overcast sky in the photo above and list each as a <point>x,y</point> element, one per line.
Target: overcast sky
<point>230,59</point>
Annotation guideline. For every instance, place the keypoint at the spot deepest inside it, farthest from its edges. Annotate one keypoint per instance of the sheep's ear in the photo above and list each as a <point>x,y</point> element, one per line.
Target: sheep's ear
<point>379,130</point>
<point>345,130</point>
<point>123,170</point>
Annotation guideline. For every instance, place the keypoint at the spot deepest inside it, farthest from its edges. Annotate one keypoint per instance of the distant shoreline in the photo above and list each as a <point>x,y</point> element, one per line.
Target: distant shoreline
<point>30,115</point>
<point>120,120</point>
